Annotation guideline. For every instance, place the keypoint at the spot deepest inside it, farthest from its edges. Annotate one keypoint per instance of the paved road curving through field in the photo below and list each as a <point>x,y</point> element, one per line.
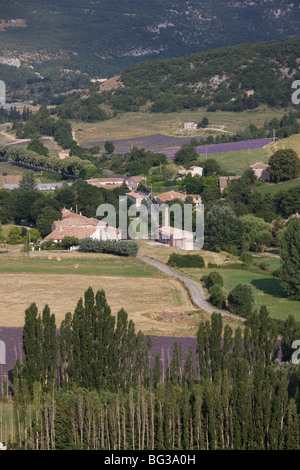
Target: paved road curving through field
<point>194,288</point>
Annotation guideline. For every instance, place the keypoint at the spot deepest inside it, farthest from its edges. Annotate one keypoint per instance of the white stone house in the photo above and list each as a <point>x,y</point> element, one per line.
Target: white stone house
<point>189,126</point>
<point>76,225</point>
<point>172,236</point>
<point>193,170</point>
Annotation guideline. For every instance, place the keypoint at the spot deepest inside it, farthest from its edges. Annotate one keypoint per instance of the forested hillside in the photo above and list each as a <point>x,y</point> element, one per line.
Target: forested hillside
<point>229,78</point>
<point>101,38</point>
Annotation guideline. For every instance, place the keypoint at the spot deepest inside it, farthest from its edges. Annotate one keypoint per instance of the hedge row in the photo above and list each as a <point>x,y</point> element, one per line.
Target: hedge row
<point>120,248</point>
<point>186,261</point>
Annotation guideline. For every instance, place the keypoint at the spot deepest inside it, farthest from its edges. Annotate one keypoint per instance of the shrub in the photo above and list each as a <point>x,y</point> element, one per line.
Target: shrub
<point>120,248</point>
<point>67,242</point>
<point>241,300</point>
<point>246,257</point>
<point>212,279</point>
<point>186,261</point>
<point>217,296</point>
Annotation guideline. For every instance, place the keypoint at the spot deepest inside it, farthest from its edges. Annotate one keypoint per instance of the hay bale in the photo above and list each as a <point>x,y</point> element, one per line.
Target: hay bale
<point>49,258</point>
<point>76,266</point>
<point>58,258</point>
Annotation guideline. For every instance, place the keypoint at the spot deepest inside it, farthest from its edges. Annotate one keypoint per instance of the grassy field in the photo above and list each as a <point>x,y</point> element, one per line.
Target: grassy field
<point>129,125</point>
<point>267,289</point>
<point>93,265</point>
<point>273,188</point>
<point>239,161</point>
<point>292,142</point>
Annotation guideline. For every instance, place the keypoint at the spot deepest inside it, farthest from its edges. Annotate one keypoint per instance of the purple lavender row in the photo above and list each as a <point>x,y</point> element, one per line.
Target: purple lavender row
<point>149,142</point>
<point>218,148</point>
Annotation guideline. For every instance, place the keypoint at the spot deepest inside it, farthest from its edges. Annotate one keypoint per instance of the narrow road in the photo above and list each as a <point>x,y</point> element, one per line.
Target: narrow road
<point>195,289</point>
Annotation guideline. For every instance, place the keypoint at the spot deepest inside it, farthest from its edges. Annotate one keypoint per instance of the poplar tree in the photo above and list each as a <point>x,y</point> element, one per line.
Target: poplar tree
<point>32,345</point>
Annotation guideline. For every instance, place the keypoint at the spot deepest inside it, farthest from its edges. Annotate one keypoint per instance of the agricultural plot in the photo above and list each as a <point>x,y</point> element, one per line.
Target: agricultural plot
<point>155,142</point>
<point>74,264</point>
<point>133,125</point>
<point>222,148</point>
<point>157,304</point>
<point>236,162</point>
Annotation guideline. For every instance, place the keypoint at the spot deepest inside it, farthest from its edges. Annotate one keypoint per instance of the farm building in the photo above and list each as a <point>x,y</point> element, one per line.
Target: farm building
<point>193,170</point>
<point>261,171</point>
<point>107,183</point>
<point>39,186</point>
<point>76,225</point>
<point>170,196</point>
<point>189,126</point>
<point>173,195</point>
<point>176,237</point>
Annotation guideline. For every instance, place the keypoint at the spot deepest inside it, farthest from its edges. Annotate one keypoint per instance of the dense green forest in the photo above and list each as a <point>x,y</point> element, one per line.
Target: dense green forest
<point>98,384</point>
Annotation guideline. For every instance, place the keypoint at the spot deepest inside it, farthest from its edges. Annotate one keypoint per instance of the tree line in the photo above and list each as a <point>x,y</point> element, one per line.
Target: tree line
<point>96,384</point>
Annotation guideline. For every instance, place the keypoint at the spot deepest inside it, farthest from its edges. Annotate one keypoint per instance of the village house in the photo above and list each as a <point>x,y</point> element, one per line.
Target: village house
<point>173,195</point>
<point>170,196</point>
<point>261,171</point>
<point>135,197</point>
<point>79,226</point>
<point>133,182</point>
<point>193,170</point>
<point>173,236</point>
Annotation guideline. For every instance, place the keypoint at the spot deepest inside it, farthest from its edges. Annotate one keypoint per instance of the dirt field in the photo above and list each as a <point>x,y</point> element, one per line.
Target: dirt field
<point>156,305</point>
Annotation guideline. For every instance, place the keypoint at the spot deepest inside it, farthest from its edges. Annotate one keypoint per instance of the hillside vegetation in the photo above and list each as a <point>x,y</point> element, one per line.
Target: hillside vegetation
<point>231,78</point>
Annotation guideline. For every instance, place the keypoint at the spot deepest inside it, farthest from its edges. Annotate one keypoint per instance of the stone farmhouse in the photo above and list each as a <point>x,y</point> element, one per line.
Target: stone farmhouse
<point>189,126</point>
<point>193,170</point>
<point>173,195</point>
<point>261,171</point>
<point>76,225</point>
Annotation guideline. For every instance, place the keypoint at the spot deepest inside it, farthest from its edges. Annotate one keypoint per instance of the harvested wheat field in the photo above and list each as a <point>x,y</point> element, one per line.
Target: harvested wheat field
<point>156,305</point>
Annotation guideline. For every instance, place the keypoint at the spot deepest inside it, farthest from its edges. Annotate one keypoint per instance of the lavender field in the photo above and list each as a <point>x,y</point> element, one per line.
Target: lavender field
<point>155,143</point>
<point>163,345</point>
<point>218,148</point>
<point>169,145</point>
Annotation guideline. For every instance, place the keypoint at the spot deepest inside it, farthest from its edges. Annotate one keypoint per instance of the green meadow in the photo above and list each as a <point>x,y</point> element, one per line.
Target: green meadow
<point>95,265</point>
